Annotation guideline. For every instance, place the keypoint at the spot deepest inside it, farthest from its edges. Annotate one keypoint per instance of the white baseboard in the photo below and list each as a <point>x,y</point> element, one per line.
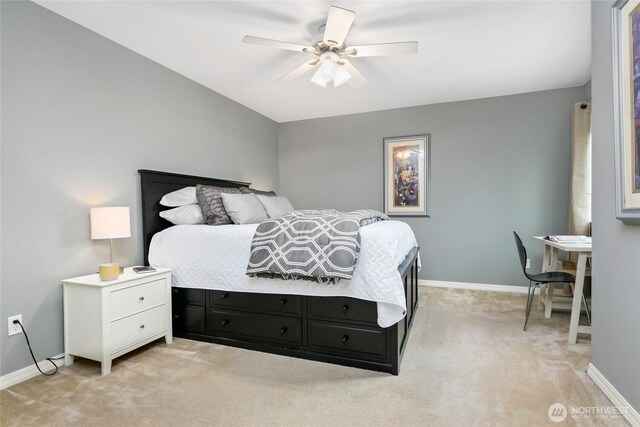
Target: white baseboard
<point>474,286</point>
<point>29,372</point>
<point>614,396</point>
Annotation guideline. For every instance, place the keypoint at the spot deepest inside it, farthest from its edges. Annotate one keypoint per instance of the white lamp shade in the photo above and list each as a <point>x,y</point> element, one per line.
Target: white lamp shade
<point>326,72</point>
<point>319,79</point>
<point>342,76</point>
<point>110,223</point>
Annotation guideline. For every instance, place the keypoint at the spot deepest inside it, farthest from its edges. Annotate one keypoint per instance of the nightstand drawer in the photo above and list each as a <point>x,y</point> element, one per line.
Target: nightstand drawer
<point>135,299</point>
<point>130,330</point>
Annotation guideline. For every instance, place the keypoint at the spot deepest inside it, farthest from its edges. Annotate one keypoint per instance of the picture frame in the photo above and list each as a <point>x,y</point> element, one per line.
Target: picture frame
<point>626,71</point>
<point>407,175</point>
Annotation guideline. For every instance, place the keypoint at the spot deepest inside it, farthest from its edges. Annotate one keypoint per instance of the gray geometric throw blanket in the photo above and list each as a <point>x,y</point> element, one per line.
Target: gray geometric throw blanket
<point>321,245</point>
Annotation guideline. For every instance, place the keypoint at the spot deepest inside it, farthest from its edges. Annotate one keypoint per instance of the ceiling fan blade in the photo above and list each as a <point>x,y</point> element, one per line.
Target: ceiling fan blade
<point>338,24</point>
<point>398,48</point>
<point>299,71</point>
<point>356,79</point>
<point>277,44</point>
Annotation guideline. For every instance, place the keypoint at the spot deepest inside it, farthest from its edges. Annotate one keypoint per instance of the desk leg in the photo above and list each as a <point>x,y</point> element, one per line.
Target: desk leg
<point>552,266</point>
<point>546,258</point>
<point>548,304</point>
<point>577,297</point>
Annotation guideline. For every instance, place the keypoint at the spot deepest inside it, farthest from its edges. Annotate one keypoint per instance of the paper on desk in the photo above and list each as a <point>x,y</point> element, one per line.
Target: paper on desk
<point>570,239</point>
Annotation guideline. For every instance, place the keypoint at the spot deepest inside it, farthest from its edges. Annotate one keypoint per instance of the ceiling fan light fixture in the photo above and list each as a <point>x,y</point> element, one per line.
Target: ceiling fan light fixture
<point>341,77</point>
<point>327,70</point>
<point>318,78</point>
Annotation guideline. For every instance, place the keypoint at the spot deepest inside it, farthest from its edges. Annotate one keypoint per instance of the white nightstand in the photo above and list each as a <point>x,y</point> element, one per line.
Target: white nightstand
<point>104,320</point>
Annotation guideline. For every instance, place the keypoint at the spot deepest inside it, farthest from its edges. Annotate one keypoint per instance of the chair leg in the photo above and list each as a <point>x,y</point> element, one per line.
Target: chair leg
<point>530,295</point>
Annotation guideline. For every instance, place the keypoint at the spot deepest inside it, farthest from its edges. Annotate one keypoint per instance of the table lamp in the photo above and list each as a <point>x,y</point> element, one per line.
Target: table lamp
<point>110,223</point>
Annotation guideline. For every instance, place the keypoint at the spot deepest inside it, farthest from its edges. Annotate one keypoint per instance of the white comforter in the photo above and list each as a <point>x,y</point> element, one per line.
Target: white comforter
<point>207,257</point>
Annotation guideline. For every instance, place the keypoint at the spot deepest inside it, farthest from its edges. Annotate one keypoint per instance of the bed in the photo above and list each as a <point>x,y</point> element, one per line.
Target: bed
<point>339,324</point>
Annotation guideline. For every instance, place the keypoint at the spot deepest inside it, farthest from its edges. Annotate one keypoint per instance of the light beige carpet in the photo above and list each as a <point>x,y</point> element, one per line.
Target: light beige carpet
<point>467,363</point>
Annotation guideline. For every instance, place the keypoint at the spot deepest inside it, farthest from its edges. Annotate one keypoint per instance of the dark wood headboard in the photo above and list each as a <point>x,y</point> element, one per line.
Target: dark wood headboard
<point>156,184</point>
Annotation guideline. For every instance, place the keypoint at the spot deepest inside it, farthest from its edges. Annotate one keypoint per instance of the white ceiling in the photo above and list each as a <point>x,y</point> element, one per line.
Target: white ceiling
<point>468,50</point>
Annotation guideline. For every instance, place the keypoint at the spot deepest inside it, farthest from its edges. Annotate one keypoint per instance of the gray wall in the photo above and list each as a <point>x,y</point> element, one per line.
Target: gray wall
<point>498,165</point>
<point>615,343</point>
<point>80,116</point>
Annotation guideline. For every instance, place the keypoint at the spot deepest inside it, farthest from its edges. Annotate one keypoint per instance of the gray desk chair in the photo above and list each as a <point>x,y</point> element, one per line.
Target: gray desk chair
<point>540,278</point>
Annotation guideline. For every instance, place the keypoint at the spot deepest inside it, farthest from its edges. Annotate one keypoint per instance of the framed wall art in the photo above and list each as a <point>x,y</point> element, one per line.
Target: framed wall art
<point>626,68</point>
<point>407,175</point>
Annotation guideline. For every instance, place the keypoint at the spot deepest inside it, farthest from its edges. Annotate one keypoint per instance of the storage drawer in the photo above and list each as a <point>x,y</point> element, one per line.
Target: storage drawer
<point>280,329</point>
<point>181,296</point>
<point>337,338</point>
<point>189,318</point>
<point>343,309</point>
<point>264,303</point>
<point>130,330</point>
<point>134,299</point>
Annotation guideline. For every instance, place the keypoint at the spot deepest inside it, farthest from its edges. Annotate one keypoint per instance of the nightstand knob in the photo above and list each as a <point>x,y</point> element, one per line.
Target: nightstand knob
<point>142,326</point>
<point>225,295</point>
<point>225,322</point>
<point>344,308</point>
<point>283,330</point>
<point>345,339</point>
<point>283,301</point>
<point>141,298</point>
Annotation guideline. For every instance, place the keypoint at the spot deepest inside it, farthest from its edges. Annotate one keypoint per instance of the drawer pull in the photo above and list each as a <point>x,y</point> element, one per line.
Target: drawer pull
<point>225,322</point>
<point>344,339</point>
<point>283,301</point>
<point>224,296</point>
<point>141,298</point>
<point>175,316</point>
<point>283,330</point>
<point>142,326</point>
<point>344,308</point>
<point>175,291</point>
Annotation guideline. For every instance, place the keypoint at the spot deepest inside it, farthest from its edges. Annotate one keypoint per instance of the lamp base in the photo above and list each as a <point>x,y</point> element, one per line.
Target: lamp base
<point>109,272</point>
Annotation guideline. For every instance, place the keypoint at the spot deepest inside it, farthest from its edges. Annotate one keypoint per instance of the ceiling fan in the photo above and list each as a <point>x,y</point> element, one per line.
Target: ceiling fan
<point>331,53</point>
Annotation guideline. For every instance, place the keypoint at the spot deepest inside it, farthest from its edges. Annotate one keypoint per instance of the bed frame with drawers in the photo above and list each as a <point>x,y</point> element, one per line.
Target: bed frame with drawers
<point>336,330</point>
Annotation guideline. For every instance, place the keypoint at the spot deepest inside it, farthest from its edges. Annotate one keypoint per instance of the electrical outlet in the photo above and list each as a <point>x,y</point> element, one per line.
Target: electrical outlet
<point>528,263</point>
<point>14,328</point>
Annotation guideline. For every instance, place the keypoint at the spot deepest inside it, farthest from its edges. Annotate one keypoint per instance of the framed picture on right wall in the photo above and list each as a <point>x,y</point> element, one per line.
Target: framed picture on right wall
<point>626,70</point>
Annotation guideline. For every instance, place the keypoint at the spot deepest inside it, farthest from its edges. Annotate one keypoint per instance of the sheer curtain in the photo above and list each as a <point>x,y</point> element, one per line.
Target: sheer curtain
<point>580,186</point>
<point>580,197</point>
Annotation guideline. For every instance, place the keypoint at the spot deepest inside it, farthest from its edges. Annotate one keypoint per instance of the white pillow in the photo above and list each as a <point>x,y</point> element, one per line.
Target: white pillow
<point>184,196</point>
<point>276,206</point>
<point>190,214</point>
<point>244,208</point>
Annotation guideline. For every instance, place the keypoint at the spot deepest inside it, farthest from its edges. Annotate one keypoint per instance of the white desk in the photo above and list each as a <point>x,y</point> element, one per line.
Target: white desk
<point>549,263</point>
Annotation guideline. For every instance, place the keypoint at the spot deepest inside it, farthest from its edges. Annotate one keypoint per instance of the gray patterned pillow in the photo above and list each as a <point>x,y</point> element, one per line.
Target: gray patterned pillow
<point>210,201</point>
<point>247,190</point>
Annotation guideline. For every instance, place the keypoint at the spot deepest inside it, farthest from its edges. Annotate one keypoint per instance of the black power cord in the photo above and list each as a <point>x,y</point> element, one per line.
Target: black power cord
<point>50,359</point>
